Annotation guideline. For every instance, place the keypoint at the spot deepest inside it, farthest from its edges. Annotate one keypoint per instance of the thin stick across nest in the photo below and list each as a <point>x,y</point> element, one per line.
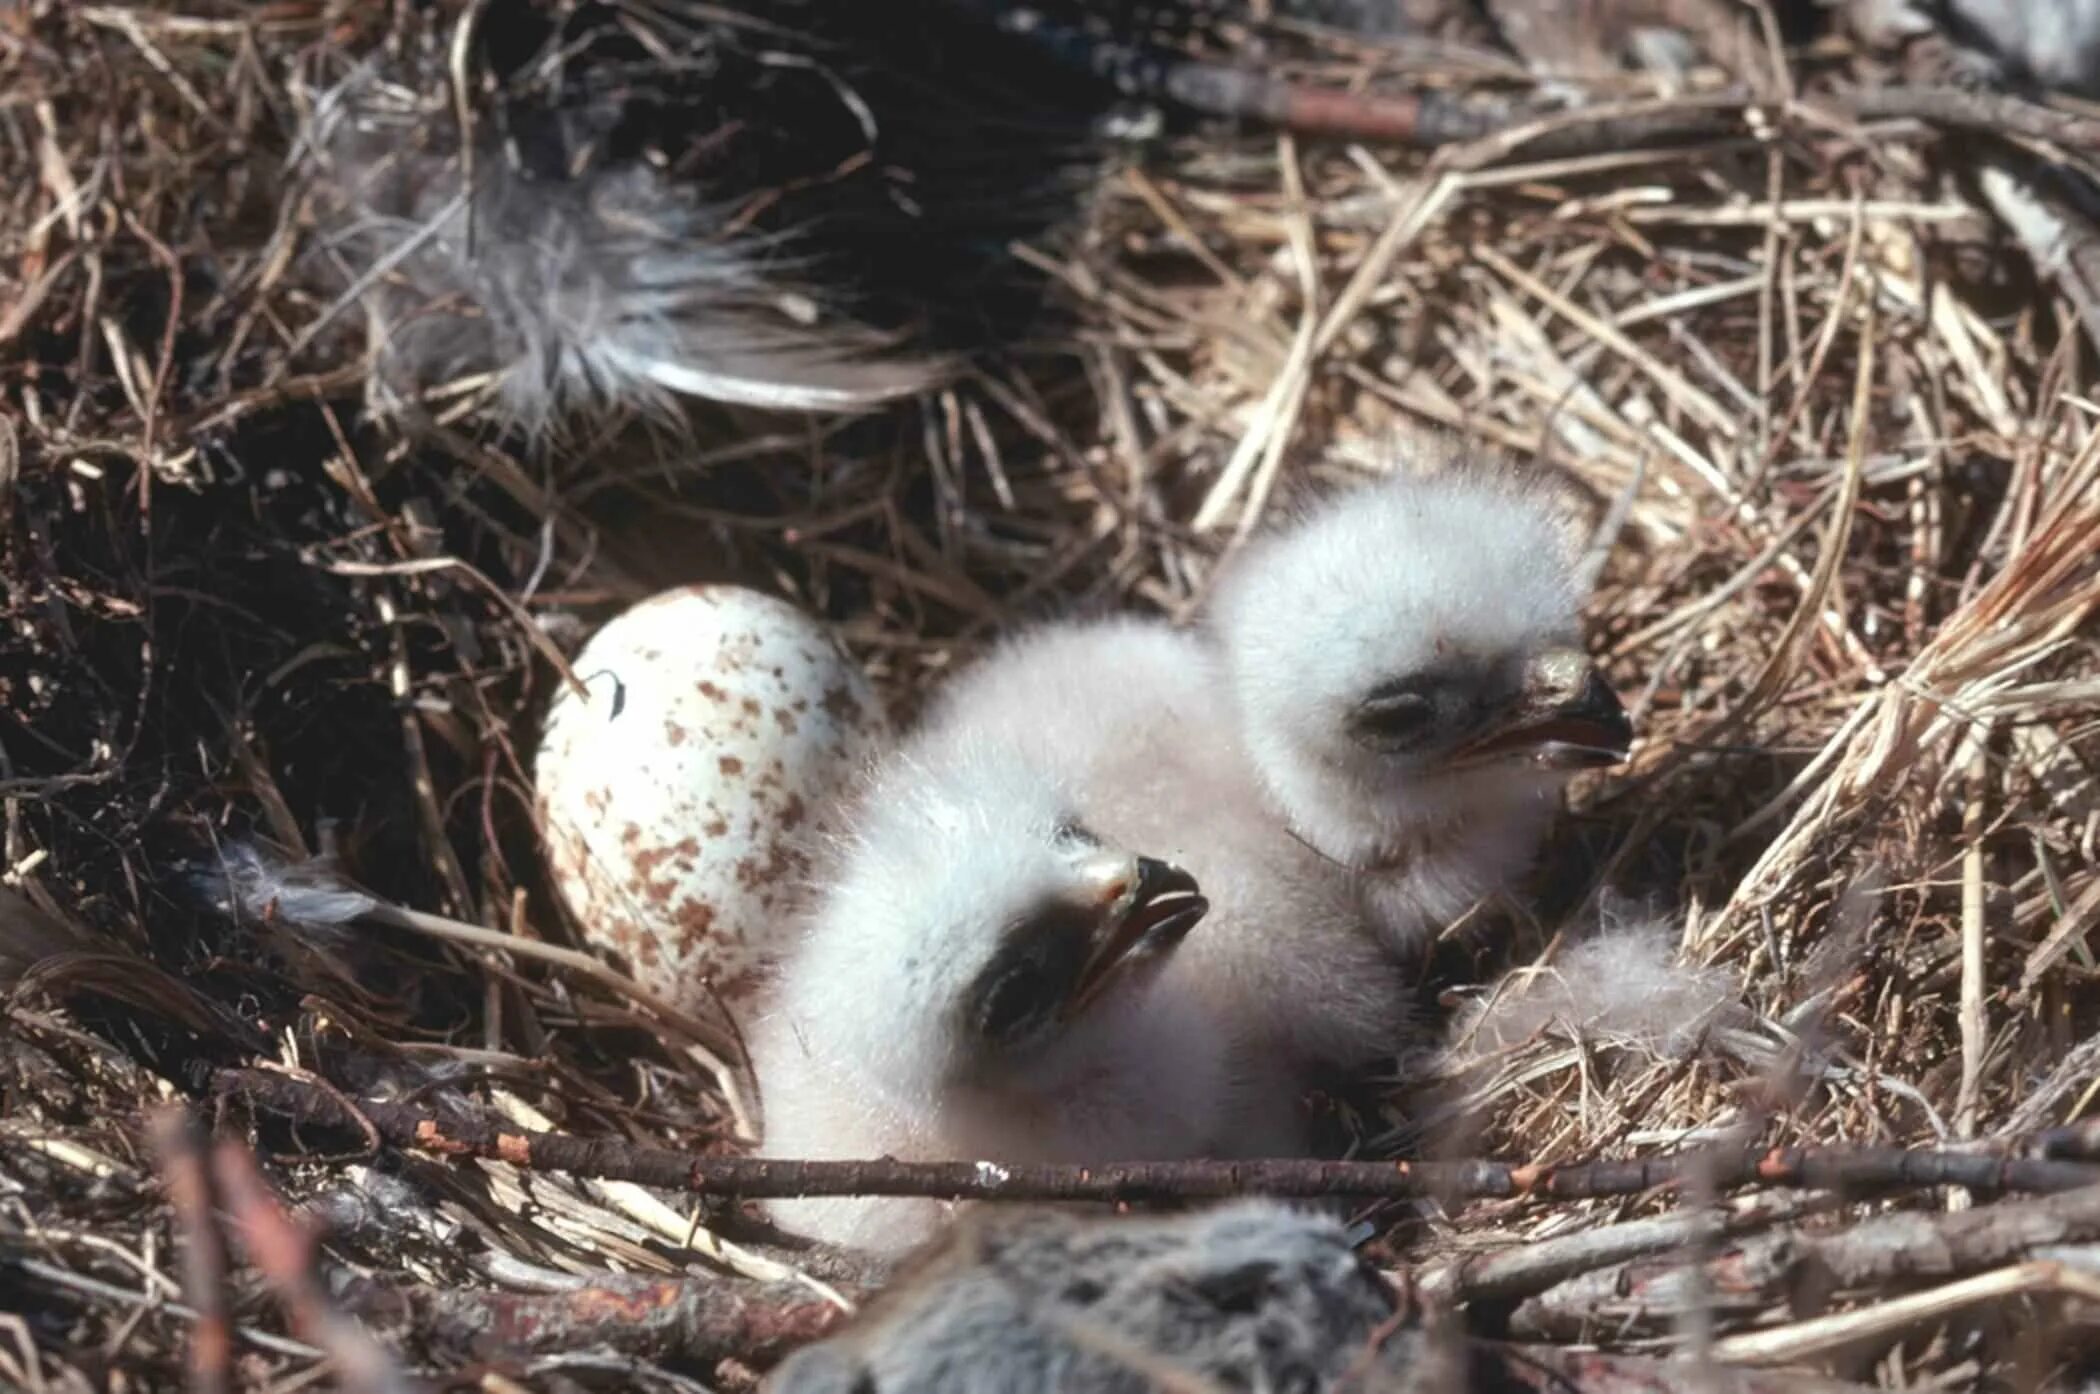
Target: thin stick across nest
<point>1814,348</point>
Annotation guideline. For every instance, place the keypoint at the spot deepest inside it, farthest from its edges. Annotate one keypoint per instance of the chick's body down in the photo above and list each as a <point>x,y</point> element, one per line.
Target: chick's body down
<point>871,1043</point>
<point>1294,980</point>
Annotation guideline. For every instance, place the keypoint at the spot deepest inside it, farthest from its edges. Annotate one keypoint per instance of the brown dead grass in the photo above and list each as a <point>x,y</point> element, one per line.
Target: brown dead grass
<point>1836,435</point>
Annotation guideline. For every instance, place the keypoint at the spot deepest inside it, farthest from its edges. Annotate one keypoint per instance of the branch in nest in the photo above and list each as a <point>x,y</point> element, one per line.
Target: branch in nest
<point>642,1318</point>
<point>637,1316</point>
<point>1959,108</point>
<point>1156,73</point>
<point>1809,1268</point>
<point>1554,1370</point>
<point>1534,1267</point>
<point>1499,134</point>
<point>185,1157</point>
<point>287,1255</point>
<point>1432,118</point>
<point>452,1130</point>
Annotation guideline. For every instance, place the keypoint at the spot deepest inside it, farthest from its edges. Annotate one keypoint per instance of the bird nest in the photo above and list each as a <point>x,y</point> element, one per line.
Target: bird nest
<point>1815,347</point>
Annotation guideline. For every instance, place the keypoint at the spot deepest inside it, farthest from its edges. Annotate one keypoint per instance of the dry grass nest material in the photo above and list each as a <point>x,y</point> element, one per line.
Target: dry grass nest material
<point>1837,434</point>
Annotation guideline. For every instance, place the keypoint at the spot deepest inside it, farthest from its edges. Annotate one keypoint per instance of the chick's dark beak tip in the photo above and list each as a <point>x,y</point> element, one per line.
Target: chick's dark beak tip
<point>1161,907</point>
<point>1172,920</point>
<point>1590,730</point>
<point>1568,718</point>
<point>1156,878</point>
<point>1168,904</point>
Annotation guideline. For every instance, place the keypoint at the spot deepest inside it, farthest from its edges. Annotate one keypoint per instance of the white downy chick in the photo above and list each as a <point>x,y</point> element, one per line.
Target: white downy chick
<point>1133,712</point>
<point>982,978</point>
<point>1407,666</point>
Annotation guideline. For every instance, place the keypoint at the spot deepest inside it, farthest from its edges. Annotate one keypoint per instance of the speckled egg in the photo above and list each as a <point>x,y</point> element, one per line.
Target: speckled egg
<point>678,791</point>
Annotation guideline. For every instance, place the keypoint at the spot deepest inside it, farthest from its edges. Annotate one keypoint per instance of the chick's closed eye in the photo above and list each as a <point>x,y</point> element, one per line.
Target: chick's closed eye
<point>1017,998</point>
<point>1429,711</point>
<point>1018,995</point>
<point>1395,717</point>
<point>1073,833</point>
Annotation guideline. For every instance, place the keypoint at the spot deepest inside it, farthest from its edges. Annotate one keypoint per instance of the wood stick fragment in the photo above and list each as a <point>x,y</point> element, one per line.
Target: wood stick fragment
<point>186,1172</point>
<point>451,1130</point>
<point>1975,1030</point>
<point>1819,1336</point>
<point>1985,113</point>
<point>1801,1265</point>
<point>1236,92</point>
<point>285,1252</point>
<point>1509,1369</point>
<point>1535,1267</point>
<point>687,1319</point>
<point>1432,118</point>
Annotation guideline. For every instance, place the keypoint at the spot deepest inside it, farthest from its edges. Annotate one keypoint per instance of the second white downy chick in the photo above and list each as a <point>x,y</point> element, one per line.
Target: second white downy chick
<point>1407,666</point>
<point>982,978</point>
<point>1135,715</point>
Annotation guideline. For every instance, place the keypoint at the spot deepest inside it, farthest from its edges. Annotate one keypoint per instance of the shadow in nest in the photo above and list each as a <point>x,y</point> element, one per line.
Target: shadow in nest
<point>249,652</point>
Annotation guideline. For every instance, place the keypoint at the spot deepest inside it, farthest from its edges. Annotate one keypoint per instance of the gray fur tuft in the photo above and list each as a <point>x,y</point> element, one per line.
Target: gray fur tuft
<point>248,881</point>
<point>591,293</point>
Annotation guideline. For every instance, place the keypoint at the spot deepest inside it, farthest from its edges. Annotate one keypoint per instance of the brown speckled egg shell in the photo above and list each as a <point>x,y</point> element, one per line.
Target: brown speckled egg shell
<point>676,797</point>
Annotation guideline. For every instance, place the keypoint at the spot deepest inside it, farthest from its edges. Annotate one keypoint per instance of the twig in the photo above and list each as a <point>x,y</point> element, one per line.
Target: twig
<point>1806,1340</point>
<point>285,1253</point>
<point>1872,1254</point>
<point>186,1171</point>
<point>450,1130</point>
<point>66,1279</point>
<point>1432,118</point>
<point>1987,113</point>
<point>1537,1266</point>
<point>1975,1030</point>
<point>717,1042</point>
<point>646,1318</point>
<point>1240,93</point>
<point>1550,1370</point>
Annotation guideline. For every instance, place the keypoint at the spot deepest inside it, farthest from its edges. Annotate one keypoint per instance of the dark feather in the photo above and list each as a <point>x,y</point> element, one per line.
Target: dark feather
<point>795,205</point>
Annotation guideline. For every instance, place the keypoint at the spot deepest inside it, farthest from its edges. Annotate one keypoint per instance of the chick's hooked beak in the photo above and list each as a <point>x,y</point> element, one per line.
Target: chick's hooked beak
<point>1145,909</point>
<point>1566,717</point>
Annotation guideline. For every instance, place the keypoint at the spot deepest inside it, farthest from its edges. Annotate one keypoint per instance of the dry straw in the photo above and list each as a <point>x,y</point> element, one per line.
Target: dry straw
<point>1818,371</point>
